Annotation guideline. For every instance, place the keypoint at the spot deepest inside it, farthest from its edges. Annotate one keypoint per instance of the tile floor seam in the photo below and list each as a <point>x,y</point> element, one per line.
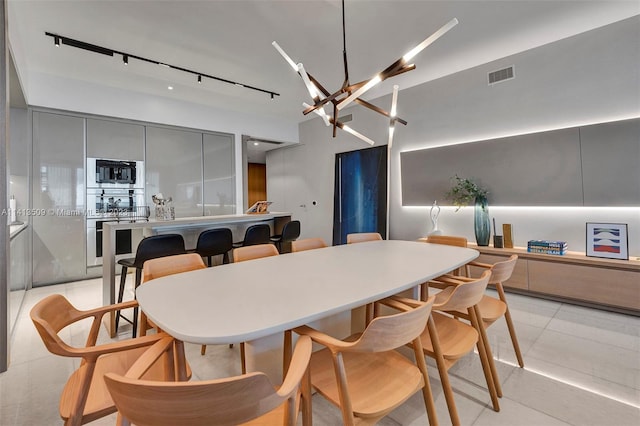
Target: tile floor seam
<point>590,339</point>
<point>582,373</point>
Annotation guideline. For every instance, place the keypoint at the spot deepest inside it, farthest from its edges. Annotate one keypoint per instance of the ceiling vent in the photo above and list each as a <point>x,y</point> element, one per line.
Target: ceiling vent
<point>501,75</point>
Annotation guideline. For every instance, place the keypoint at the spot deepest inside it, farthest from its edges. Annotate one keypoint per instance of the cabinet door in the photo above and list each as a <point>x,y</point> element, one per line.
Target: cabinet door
<point>115,139</point>
<point>58,198</point>
<point>174,168</point>
<point>605,286</point>
<point>219,174</point>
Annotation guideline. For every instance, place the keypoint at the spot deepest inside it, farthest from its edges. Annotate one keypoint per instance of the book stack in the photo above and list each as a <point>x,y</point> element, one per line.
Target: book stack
<point>547,247</point>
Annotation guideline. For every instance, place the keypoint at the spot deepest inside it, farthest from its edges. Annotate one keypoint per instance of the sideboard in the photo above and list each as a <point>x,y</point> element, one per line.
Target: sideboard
<point>605,283</point>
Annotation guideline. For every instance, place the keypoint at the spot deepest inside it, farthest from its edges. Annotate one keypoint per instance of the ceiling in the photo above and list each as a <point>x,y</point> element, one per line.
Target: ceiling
<point>232,40</point>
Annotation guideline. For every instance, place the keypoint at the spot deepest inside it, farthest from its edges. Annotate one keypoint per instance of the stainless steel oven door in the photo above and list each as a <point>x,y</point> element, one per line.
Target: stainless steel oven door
<point>92,177</point>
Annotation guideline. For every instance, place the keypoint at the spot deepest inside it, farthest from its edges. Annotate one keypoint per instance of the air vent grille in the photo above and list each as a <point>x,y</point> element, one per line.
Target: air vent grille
<point>501,75</point>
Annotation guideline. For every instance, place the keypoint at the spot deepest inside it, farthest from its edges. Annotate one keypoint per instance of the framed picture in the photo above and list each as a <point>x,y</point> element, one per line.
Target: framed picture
<point>607,240</point>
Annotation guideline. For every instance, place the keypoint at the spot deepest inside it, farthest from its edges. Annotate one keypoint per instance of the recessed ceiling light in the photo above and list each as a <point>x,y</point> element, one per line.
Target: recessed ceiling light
<point>170,87</point>
<point>256,144</point>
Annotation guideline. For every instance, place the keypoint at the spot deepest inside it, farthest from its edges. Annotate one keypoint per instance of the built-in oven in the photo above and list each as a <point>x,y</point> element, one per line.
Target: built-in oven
<point>115,192</point>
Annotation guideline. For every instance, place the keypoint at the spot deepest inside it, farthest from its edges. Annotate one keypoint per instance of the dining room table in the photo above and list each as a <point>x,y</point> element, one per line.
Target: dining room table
<point>256,301</point>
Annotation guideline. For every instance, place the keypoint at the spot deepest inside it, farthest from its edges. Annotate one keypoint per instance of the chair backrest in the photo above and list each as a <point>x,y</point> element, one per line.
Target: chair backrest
<point>464,295</point>
<point>291,231</point>
<point>501,271</point>
<point>257,234</point>
<point>241,254</point>
<point>307,244</point>
<point>169,265</point>
<point>228,401</point>
<point>448,240</point>
<point>361,237</point>
<point>386,333</point>
<point>158,246</point>
<point>50,315</point>
<point>213,242</point>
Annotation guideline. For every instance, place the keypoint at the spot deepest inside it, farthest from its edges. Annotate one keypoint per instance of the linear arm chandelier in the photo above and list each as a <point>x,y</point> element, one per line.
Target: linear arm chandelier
<point>350,93</point>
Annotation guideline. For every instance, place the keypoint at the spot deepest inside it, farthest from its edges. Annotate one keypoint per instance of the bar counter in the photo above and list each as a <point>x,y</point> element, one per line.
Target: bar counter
<point>277,219</point>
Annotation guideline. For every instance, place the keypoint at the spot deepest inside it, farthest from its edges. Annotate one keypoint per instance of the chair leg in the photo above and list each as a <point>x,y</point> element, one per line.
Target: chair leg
<point>225,258</point>
<point>427,394</point>
<point>512,330</point>
<point>209,261</point>
<point>442,371</point>
<point>286,352</point>
<point>123,279</point>
<point>484,359</point>
<point>135,310</point>
<point>203,349</point>
<point>243,360</point>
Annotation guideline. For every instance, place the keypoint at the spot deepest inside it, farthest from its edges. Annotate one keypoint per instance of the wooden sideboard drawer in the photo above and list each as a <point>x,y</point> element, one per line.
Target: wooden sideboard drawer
<point>614,287</point>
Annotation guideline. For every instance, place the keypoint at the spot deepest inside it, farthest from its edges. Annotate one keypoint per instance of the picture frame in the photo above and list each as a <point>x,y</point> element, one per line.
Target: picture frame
<point>609,240</point>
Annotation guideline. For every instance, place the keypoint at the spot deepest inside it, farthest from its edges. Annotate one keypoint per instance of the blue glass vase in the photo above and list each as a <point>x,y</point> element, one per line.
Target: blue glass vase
<point>481,223</point>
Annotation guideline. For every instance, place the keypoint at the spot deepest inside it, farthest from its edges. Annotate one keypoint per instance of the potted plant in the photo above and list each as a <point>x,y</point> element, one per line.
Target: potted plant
<point>463,191</point>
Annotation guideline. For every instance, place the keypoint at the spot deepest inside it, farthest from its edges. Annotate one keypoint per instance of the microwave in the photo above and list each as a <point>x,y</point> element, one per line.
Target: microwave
<point>109,173</point>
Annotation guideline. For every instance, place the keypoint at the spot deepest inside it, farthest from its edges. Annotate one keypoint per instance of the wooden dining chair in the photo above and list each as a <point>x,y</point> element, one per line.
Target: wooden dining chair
<point>448,339</point>
<point>451,240</point>
<point>242,254</point>
<point>85,397</point>
<point>364,376</point>
<point>169,265</point>
<point>249,399</point>
<point>492,309</point>
<point>307,244</point>
<point>362,237</point>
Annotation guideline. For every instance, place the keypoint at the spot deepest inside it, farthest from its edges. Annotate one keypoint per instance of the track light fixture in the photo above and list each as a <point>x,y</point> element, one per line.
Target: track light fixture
<point>350,93</point>
<point>57,39</point>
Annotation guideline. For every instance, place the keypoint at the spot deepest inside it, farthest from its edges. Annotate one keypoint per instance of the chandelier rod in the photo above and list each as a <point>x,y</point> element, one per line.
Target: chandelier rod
<point>344,50</point>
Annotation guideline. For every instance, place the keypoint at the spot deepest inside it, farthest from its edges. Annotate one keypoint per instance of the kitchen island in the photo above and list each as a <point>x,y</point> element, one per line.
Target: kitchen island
<point>151,227</point>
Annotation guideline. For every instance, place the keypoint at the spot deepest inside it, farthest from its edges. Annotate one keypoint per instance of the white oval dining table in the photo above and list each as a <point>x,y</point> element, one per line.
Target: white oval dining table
<point>255,301</point>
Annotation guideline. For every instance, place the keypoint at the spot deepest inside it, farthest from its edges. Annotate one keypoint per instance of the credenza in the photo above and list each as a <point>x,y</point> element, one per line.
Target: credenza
<point>604,283</point>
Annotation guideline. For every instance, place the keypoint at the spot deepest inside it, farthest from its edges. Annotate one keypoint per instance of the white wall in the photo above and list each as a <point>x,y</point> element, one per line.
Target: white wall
<point>589,78</point>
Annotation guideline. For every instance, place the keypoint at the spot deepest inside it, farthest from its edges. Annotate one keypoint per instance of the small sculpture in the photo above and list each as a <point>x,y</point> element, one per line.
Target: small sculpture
<point>435,212</point>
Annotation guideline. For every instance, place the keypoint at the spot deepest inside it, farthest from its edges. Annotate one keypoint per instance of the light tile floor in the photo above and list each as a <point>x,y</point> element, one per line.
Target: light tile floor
<point>582,367</point>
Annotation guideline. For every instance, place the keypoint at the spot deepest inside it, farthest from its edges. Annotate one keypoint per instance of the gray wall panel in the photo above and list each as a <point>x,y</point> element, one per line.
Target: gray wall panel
<point>611,163</point>
<point>540,169</point>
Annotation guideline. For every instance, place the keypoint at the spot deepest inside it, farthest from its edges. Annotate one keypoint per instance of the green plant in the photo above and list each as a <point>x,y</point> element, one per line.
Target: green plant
<point>464,191</point>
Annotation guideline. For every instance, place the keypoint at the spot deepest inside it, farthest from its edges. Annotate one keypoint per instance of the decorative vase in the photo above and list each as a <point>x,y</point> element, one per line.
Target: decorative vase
<point>481,222</point>
<point>434,213</point>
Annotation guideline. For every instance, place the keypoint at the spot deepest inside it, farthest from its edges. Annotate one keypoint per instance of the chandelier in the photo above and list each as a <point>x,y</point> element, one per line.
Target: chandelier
<point>350,93</point>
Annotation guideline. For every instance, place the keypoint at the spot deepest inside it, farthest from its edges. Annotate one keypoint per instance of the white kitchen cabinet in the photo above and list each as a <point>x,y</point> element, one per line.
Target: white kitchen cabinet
<point>58,191</point>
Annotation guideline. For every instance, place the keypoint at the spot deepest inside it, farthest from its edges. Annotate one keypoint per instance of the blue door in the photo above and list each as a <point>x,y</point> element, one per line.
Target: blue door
<point>360,197</point>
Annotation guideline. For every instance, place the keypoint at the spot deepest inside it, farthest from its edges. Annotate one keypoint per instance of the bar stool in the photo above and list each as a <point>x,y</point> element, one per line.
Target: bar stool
<point>149,248</point>
<point>290,232</point>
<point>255,234</point>
<point>213,242</point>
